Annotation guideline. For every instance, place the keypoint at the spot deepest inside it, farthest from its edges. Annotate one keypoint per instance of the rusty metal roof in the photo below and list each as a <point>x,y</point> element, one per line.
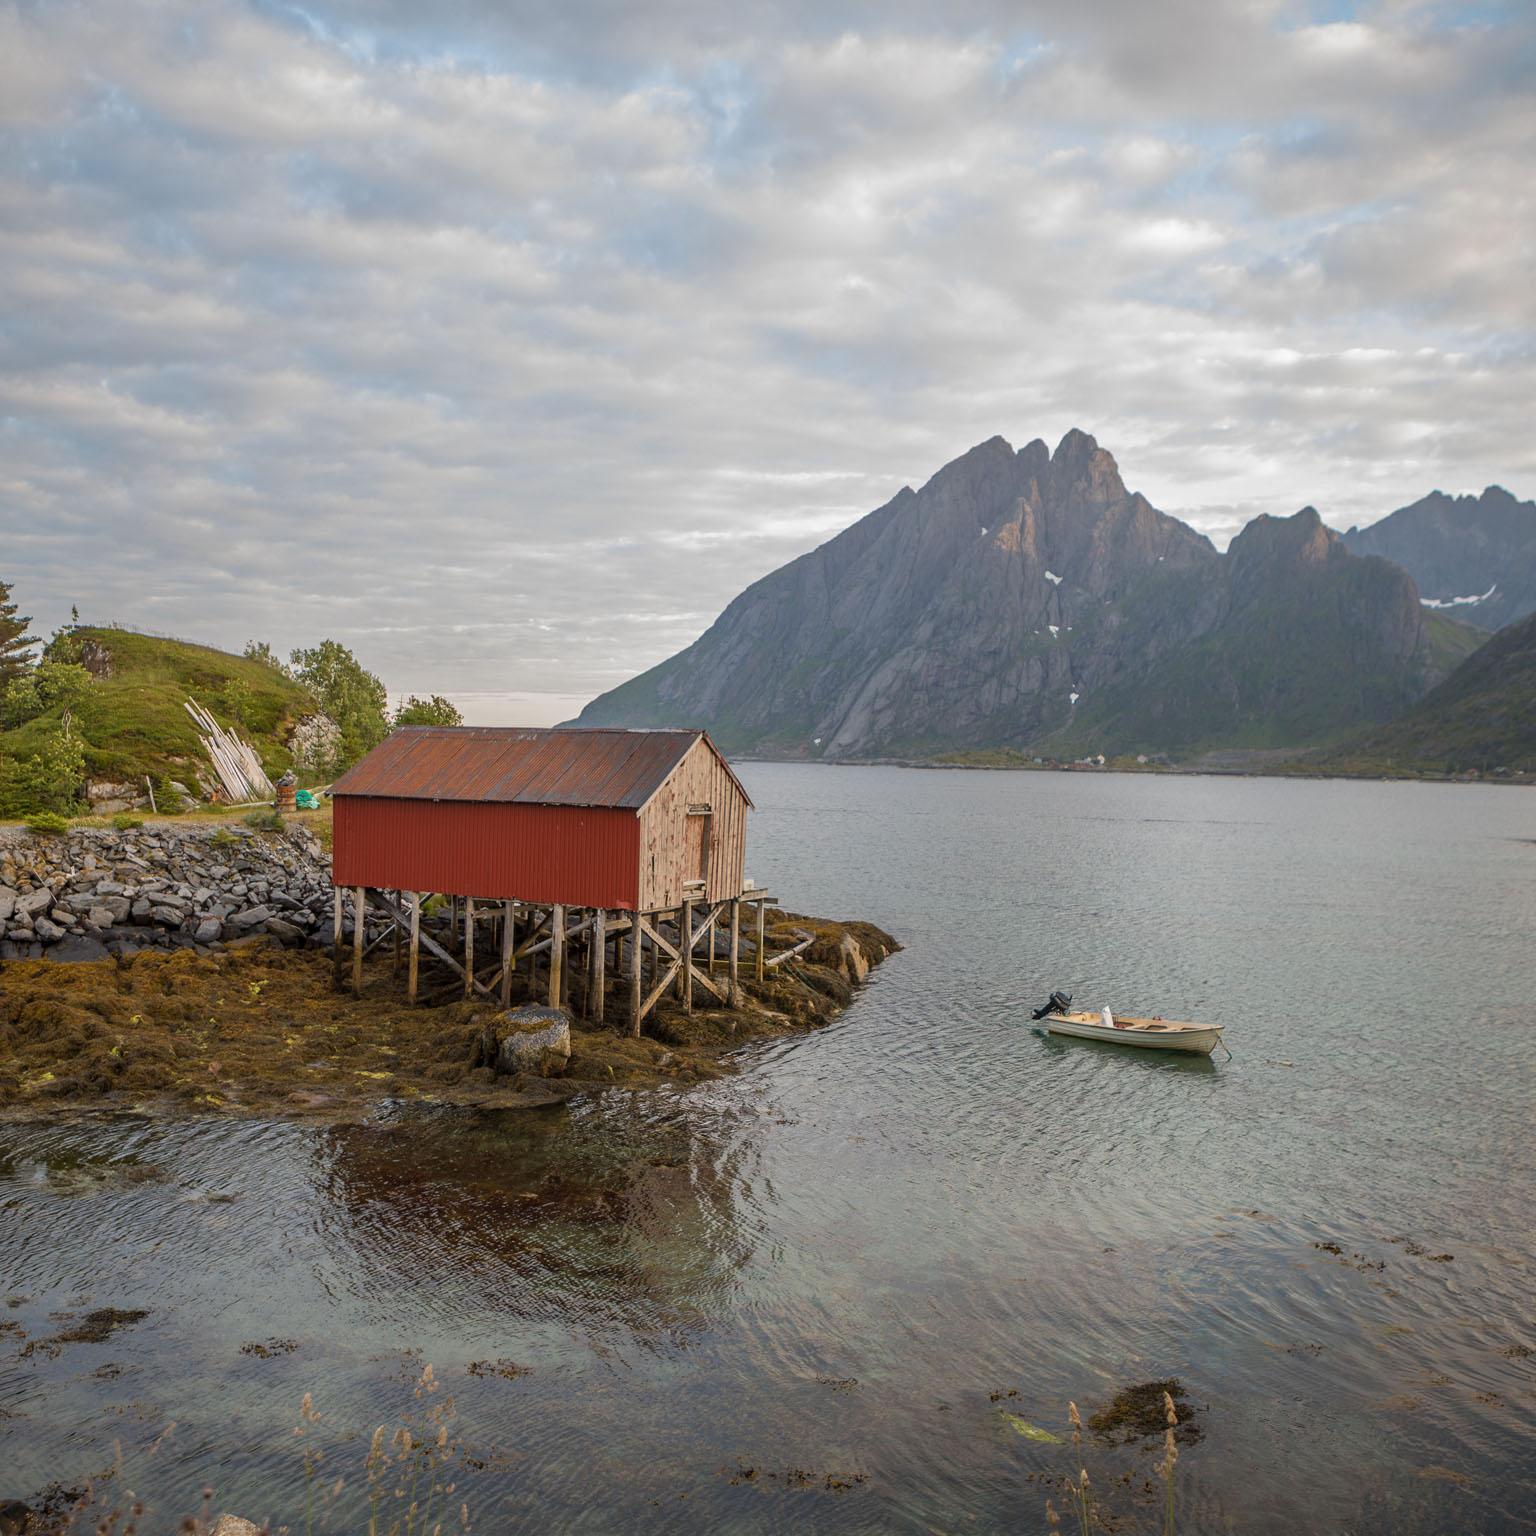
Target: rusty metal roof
<point>574,766</point>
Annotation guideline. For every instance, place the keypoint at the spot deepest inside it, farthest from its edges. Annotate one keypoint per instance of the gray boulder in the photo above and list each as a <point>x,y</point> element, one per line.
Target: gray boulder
<point>35,901</point>
<point>251,917</point>
<point>77,947</point>
<point>208,929</point>
<point>99,917</point>
<point>47,930</point>
<point>7,903</point>
<point>534,1040</point>
<point>289,933</point>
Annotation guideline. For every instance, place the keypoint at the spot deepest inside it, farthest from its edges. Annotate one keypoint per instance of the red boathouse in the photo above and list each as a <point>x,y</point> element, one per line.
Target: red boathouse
<point>536,824</point>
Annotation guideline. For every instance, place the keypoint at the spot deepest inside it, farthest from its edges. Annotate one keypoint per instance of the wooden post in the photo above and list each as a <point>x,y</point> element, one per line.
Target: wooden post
<point>762,925</point>
<point>415,959</point>
<point>508,948</point>
<point>735,952</point>
<point>469,946</point>
<point>336,936</point>
<point>599,960</point>
<point>686,945</point>
<point>358,928</point>
<point>394,970</point>
<point>556,953</point>
<point>636,952</point>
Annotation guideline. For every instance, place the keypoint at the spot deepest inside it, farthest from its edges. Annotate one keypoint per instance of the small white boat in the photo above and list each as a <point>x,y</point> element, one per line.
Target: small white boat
<point>1154,1034</point>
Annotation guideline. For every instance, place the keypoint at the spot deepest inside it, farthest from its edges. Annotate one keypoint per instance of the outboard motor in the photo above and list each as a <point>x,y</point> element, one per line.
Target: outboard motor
<point>1060,1002</point>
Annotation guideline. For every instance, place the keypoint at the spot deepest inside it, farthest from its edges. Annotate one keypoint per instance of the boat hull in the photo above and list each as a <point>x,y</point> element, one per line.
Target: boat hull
<point>1193,1039</point>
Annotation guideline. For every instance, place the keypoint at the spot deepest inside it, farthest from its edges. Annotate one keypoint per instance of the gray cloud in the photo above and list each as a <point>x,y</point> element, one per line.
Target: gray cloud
<point>507,343</point>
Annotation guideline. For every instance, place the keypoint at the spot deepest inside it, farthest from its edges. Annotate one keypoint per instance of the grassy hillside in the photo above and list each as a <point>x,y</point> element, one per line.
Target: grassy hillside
<point>131,720</point>
<point>1483,717</point>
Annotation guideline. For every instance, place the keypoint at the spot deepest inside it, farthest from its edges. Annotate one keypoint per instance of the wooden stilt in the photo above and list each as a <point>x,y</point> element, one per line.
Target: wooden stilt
<point>359,927</point>
<point>556,954</point>
<point>469,945</point>
<point>336,936</point>
<point>599,960</point>
<point>508,950</point>
<point>686,945</point>
<point>735,975</point>
<point>762,928</point>
<point>414,964</point>
<point>636,955</point>
<point>395,968</point>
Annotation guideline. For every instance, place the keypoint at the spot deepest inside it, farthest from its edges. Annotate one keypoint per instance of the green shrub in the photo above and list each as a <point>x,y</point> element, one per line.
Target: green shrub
<point>167,801</point>
<point>48,684</point>
<point>48,824</point>
<point>434,711</point>
<point>49,780</point>
<point>126,821</point>
<point>264,821</point>
<point>238,700</point>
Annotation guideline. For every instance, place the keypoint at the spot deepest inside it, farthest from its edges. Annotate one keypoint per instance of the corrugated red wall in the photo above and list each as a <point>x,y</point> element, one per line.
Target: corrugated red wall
<point>584,856</point>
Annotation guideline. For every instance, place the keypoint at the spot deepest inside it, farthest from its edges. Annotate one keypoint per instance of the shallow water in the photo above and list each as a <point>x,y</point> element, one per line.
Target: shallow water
<point>787,1298</point>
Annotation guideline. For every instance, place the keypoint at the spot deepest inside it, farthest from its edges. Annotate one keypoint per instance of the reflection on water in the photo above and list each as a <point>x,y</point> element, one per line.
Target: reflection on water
<point>789,1298</point>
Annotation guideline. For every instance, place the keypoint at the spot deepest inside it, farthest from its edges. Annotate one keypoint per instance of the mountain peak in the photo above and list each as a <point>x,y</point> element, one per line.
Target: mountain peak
<point>1300,537</point>
<point>1075,446</point>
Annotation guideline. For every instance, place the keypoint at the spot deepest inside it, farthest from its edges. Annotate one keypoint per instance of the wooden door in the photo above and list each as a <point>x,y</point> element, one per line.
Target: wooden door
<point>696,861</point>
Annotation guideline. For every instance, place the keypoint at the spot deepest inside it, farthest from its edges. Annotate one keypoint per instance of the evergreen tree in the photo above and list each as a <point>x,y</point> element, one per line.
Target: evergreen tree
<point>15,643</point>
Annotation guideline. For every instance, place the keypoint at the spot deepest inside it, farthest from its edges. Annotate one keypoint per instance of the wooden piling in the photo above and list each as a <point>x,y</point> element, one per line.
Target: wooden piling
<point>735,975</point>
<point>556,954</point>
<point>762,928</point>
<point>359,927</point>
<point>508,950</point>
<point>636,955</point>
<point>599,960</point>
<point>469,946</point>
<point>685,943</point>
<point>414,964</point>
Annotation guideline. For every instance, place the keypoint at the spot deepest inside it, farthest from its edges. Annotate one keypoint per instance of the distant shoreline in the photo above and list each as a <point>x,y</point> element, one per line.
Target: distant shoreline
<point>1271,771</point>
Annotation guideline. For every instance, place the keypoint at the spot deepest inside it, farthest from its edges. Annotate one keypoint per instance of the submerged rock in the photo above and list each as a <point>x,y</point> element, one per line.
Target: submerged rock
<point>533,1039</point>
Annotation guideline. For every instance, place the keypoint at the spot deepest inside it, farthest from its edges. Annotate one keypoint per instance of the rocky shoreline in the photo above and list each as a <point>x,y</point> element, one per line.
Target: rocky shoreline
<point>95,892</point>
<point>206,986</point>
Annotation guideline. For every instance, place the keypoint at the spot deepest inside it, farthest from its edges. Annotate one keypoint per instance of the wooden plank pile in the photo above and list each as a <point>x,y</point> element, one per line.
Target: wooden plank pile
<point>235,761</point>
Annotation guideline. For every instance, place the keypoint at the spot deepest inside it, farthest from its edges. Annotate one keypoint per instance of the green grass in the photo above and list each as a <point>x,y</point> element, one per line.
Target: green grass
<point>133,723</point>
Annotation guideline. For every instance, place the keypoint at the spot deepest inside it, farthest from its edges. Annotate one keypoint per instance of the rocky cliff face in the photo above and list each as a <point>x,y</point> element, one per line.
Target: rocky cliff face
<point>1028,600</point>
<point>1473,556</point>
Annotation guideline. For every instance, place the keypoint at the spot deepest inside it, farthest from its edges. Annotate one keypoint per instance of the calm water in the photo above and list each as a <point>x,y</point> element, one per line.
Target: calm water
<point>818,1272</point>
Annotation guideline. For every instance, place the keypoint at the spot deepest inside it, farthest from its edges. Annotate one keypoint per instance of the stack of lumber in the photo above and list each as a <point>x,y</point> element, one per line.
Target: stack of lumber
<point>235,761</point>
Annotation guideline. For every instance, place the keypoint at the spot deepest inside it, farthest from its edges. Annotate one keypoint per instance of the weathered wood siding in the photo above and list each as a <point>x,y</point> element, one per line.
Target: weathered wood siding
<point>700,779</point>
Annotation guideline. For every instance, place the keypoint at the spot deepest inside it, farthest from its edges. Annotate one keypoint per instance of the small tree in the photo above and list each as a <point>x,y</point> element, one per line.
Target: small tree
<point>350,694</point>
<point>15,643</point>
<point>34,693</point>
<point>237,700</point>
<point>434,711</point>
<point>50,779</point>
<point>259,650</point>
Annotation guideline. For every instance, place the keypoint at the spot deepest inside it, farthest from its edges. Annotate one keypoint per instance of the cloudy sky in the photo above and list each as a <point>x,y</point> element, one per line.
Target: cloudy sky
<point>506,342</point>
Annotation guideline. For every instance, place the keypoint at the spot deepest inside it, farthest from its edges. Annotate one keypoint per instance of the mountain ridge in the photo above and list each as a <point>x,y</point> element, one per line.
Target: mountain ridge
<point>1025,598</point>
<point>1472,555</point>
